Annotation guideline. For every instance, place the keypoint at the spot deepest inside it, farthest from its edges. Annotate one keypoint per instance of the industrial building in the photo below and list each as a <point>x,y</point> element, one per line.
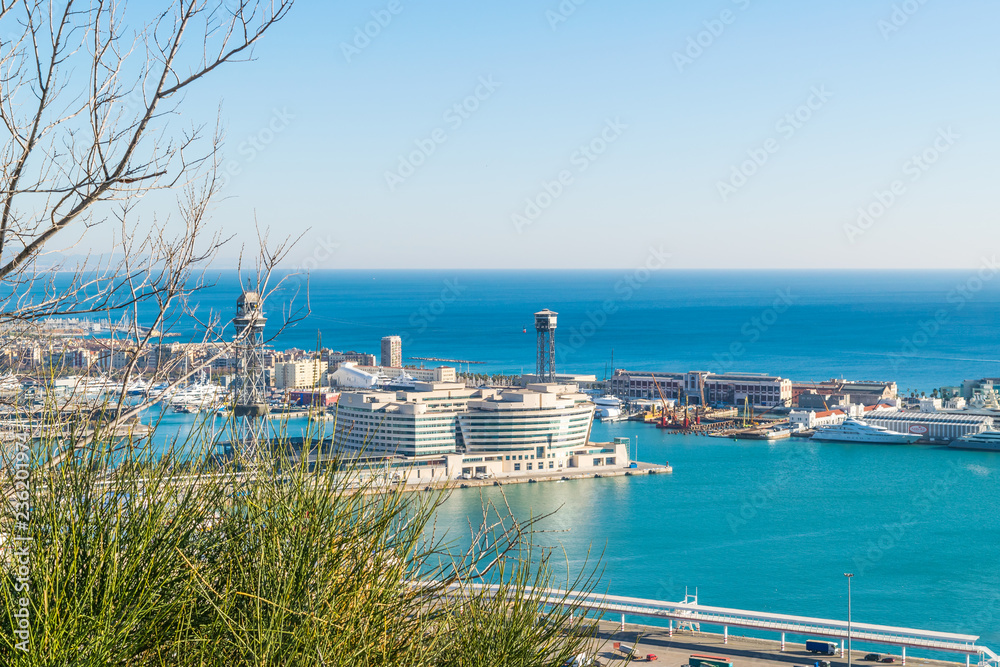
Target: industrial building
<point>728,388</point>
<point>818,395</point>
<point>392,352</point>
<point>932,426</point>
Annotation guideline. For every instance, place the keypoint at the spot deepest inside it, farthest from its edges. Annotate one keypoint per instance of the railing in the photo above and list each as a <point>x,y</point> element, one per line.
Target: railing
<point>798,625</point>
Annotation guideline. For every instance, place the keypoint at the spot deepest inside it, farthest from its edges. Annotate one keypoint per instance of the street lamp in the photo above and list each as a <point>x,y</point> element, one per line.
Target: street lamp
<point>849,576</point>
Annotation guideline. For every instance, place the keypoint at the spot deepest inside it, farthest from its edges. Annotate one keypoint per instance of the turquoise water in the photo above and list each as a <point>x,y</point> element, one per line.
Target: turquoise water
<point>751,524</point>
<point>774,526</point>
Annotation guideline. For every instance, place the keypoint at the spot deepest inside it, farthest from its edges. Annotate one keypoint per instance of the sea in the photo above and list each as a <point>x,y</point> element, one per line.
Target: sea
<point>753,525</point>
<point>922,329</point>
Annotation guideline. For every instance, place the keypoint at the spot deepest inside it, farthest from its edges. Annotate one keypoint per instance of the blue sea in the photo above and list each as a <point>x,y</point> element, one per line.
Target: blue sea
<point>922,329</point>
<point>750,524</point>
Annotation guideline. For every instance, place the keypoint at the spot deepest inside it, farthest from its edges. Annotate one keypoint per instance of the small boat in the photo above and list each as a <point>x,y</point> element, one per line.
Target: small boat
<point>609,409</point>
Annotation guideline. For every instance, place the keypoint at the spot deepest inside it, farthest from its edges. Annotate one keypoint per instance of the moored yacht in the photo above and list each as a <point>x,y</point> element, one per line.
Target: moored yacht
<point>609,408</point>
<point>987,440</point>
<point>856,430</point>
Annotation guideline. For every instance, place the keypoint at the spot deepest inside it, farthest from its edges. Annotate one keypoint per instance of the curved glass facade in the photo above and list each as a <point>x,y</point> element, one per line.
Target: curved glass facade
<point>518,430</point>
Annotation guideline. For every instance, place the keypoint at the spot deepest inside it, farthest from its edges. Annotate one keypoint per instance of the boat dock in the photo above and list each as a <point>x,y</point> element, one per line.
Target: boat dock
<point>555,476</point>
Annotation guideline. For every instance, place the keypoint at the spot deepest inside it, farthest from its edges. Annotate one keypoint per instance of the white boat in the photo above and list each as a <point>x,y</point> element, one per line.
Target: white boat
<point>609,408</point>
<point>9,384</point>
<point>202,395</point>
<point>856,430</point>
<point>987,440</point>
<point>138,388</point>
<point>402,382</point>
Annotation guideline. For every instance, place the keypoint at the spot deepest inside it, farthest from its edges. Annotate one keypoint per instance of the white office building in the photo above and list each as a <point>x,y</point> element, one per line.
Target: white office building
<point>406,423</point>
<point>539,427</point>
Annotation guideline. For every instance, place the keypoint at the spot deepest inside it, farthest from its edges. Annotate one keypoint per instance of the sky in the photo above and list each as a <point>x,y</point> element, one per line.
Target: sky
<point>590,134</point>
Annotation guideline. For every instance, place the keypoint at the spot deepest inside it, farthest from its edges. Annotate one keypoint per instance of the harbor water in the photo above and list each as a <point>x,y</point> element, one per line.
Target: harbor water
<point>756,525</point>
<point>774,527</point>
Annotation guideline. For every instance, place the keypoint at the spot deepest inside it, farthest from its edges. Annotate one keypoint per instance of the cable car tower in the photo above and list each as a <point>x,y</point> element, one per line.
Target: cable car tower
<point>545,326</point>
<point>250,408</point>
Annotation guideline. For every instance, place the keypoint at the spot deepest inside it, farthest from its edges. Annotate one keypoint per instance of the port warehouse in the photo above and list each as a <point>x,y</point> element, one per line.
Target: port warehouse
<point>690,612</point>
<point>759,389</point>
<point>931,426</point>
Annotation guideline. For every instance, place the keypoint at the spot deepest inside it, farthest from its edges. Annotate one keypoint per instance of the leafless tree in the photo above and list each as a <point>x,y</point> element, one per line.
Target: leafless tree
<point>91,100</point>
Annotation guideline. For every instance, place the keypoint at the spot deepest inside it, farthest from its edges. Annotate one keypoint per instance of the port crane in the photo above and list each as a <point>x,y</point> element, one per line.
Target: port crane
<point>663,403</point>
<point>701,404</point>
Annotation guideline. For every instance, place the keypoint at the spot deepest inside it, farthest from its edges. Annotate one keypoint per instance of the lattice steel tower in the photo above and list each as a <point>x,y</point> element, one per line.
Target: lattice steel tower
<point>250,409</point>
<point>545,325</point>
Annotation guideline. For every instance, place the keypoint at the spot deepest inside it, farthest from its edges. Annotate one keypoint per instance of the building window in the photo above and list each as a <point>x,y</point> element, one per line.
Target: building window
<point>609,461</point>
<point>597,462</point>
<point>529,466</point>
<point>517,467</point>
<point>552,464</point>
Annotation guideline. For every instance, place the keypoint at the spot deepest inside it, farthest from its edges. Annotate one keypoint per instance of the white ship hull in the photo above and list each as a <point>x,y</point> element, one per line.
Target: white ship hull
<point>858,431</point>
<point>901,440</point>
<point>989,443</point>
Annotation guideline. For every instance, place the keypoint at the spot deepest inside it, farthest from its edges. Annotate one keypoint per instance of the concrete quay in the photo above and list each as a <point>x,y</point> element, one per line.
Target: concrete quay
<point>744,651</point>
<point>555,476</point>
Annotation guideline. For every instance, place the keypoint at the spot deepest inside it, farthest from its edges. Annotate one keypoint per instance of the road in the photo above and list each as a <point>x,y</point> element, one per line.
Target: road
<point>745,651</point>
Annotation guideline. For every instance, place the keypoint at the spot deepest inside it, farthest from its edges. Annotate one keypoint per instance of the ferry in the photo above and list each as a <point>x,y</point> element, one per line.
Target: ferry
<point>987,440</point>
<point>856,430</point>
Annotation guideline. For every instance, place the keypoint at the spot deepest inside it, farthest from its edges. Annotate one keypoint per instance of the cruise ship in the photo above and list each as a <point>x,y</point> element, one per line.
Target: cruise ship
<point>988,440</point>
<point>855,430</point>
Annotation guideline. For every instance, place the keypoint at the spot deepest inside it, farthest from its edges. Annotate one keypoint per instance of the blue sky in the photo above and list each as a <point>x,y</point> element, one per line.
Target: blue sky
<point>672,129</point>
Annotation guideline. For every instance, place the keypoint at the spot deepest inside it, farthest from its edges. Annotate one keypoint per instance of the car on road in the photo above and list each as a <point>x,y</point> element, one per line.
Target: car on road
<point>874,657</point>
